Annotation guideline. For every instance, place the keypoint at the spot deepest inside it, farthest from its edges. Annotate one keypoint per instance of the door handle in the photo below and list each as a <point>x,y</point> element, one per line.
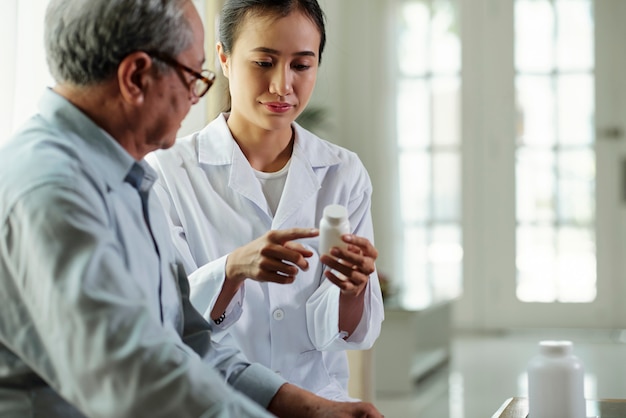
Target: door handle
<point>611,132</point>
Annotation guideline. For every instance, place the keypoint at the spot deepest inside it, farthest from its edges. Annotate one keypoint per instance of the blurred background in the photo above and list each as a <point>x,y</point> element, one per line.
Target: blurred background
<point>493,132</point>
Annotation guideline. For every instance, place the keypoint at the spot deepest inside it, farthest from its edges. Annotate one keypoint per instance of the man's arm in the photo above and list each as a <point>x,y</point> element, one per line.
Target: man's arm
<point>71,310</point>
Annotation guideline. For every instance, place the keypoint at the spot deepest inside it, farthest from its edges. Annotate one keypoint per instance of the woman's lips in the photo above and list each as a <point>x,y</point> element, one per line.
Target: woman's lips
<point>277,107</point>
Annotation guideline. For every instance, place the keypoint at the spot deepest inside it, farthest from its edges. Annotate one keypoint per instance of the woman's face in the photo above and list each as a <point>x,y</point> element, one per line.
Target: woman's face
<point>271,70</point>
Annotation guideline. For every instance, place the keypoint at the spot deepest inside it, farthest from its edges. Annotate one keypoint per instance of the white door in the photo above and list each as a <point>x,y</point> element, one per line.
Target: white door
<point>552,183</point>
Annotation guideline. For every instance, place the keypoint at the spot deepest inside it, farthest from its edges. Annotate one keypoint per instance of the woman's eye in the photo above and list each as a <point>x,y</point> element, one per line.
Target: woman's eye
<point>301,67</point>
<point>263,64</point>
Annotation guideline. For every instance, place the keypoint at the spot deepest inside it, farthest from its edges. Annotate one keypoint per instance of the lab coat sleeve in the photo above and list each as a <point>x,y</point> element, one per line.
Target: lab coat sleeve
<point>322,308</point>
<point>206,284</point>
<point>206,281</point>
<point>175,224</point>
<point>76,316</point>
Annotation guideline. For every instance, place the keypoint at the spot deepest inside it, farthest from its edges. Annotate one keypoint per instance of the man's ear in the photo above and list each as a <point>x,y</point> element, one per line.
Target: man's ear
<point>134,74</point>
<point>224,61</point>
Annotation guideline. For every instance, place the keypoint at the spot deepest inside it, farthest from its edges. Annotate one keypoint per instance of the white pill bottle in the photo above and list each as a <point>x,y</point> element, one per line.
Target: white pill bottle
<point>333,225</point>
<point>556,382</point>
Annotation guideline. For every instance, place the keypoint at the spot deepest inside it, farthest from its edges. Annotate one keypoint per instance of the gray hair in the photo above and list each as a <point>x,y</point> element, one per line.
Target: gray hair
<point>86,40</point>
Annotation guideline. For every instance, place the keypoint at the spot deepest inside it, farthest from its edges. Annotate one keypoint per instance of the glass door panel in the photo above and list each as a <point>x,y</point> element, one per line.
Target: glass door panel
<point>555,156</point>
<point>544,164</point>
<point>429,150</point>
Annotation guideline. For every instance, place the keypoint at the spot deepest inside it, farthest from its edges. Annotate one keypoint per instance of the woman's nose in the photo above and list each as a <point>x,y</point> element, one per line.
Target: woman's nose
<point>281,83</point>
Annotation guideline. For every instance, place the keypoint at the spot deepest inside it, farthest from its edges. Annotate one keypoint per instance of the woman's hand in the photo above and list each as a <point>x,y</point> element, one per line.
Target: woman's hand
<point>350,270</point>
<point>273,257</point>
<point>351,267</point>
<point>292,401</point>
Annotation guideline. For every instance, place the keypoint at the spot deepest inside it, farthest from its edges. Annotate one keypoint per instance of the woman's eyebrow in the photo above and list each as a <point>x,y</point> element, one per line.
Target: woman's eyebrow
<point>276,52</point>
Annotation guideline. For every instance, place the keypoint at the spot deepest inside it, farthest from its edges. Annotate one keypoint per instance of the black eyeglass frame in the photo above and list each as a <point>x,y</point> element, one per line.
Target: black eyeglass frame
<point>206,76</point>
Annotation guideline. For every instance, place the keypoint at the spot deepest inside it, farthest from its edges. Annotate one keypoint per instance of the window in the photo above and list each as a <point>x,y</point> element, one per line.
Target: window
<point>24,73</point>
<point>428,75</point>
<point>555,158</point>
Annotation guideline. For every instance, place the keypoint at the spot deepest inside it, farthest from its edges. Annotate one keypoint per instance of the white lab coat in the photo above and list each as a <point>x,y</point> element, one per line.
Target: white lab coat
<point>215,204</point>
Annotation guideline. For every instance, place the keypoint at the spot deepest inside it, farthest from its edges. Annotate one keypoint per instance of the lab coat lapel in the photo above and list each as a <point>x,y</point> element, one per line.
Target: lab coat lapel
<point>218,147</point>
<point>309,153</point>
<point>243,181</point>
<point>300,186</point>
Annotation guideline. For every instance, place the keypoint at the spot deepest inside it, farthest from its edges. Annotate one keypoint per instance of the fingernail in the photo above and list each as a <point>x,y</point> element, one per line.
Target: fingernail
<point>335,251</point>
<point>348,237</point>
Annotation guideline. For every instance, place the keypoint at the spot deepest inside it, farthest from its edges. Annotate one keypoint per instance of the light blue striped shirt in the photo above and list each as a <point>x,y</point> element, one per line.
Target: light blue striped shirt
<point>79,289</point>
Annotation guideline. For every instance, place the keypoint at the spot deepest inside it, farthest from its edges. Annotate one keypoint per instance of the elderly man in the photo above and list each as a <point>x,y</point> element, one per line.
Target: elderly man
<point>96,319</point>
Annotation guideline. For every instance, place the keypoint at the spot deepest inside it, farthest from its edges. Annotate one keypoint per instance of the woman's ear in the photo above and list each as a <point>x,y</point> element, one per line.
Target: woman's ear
<point>224,61</point>
<point>134,75</point>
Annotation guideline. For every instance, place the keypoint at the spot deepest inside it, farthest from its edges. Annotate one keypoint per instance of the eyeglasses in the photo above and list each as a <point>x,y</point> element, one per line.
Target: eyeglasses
<point>202,81</point>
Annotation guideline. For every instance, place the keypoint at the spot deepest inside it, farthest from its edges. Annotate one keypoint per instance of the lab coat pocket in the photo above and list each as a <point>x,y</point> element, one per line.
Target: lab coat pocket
<point>310,369</point>
<point>322,316</point>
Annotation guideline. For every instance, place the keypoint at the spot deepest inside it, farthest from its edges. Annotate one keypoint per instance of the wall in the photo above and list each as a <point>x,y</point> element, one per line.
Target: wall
<point>199,114</point>
<point>354,84</point>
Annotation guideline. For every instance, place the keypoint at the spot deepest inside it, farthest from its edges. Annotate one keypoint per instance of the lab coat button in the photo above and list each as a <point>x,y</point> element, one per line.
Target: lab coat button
<point>278,314</point>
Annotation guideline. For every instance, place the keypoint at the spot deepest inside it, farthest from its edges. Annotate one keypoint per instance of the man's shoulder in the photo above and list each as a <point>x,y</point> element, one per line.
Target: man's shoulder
<point>33,158</point>
<point>38,150</point>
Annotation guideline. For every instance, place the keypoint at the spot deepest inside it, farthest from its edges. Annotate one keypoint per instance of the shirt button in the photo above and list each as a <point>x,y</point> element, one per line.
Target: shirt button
<point>278,314</point>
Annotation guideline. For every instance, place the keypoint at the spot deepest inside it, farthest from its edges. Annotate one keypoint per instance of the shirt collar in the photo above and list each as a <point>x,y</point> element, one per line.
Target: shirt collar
<point>110,161</point>
<point>216,145</point>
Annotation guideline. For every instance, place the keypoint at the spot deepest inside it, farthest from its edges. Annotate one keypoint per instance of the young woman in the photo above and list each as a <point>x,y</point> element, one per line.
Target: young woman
<point>245,194</point>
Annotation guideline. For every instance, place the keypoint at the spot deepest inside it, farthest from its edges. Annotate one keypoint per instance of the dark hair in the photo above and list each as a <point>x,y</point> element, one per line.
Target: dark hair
<point>86,40</point>
<point>234,13</point>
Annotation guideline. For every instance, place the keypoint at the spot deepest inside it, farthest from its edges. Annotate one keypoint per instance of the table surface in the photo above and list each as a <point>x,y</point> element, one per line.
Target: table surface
<point>603,408</point>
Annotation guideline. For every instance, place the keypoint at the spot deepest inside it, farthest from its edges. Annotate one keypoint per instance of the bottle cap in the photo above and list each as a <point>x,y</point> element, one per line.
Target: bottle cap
<point>335,213</point>
<point>556,348</point>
